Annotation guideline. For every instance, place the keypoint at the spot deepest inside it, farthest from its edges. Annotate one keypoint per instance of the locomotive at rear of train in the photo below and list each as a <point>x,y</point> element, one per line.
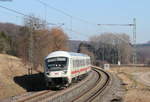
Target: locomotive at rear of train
<point>62,67</point>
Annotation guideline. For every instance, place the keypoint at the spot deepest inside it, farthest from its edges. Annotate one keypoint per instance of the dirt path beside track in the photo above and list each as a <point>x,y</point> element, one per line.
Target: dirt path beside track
<point>136,81</point>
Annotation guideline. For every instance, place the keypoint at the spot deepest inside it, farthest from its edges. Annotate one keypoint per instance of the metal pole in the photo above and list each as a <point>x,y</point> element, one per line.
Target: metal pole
<point>71,23</point>
<point>31,48</point>
<point>103,52</point>
<point>134,42</point>
<point>134,38</point>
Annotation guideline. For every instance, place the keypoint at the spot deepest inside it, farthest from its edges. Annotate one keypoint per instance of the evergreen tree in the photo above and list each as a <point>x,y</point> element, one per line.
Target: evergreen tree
<point>4,43</point>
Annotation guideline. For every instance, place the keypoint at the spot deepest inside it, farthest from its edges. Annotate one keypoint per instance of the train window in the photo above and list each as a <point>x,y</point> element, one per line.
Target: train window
<point>73,63</point>
<point>86,61</point>
<point>82,62</point>
<point>78,63</point>
<point>57,63</point>
<point>89,62</point>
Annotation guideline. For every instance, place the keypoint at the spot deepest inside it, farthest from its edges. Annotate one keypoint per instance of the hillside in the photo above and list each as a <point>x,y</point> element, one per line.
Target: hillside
<point>10,67</point>
<point>74,45</point>
<point>10,29</point>
<point>143,52</point>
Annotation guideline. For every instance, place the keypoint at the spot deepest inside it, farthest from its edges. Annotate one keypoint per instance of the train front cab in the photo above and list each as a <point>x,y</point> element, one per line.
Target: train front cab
<point>56,72</point>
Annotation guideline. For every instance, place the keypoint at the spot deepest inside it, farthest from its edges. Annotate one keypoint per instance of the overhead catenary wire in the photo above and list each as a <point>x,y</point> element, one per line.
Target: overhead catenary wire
<point>30,38</point>
<point>77,32</point>
<point>118,25</point>
<point>12,10</point>
<point>65,13</point>
<point>82,20</point>
<point>134,36</point>
<point>115,24</point>
<point>48,23</point>
<point>72,17</point>
<point>20,13</point>
<point>51,7</point>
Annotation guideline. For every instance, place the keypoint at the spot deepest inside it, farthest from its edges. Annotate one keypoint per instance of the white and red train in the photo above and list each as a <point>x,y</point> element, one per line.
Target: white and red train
<point>62,67</point>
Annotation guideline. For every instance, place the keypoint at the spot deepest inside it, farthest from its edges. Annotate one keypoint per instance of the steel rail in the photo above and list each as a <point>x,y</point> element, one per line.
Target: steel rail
<point>101,85</point>
<point>101,89</point>
<point>32,96</point>
<point>40,96</point>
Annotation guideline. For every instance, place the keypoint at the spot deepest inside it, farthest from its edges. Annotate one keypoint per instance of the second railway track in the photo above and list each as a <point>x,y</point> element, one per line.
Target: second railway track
<point>101,85</point>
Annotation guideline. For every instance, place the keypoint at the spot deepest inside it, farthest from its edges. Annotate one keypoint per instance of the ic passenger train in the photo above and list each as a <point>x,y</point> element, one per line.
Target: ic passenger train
<point>62,67</point>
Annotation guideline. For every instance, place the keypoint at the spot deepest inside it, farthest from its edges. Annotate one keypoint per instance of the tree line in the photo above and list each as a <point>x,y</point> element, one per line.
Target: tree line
<point>104,48</point>
<point>44,41</point>
<point>108,48</point>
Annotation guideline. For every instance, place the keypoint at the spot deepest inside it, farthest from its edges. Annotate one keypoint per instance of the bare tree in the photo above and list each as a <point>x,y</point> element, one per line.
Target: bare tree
<point>112,47</point>
<point>33,41</point>
<point>27,38</point>
<point>59,39</point>
<point>5,40</point>
<point>86,49</point>
<point>43,42</point>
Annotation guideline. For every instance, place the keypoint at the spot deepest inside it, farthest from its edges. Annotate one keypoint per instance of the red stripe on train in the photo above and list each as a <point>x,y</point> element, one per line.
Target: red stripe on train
<point>77,71</point>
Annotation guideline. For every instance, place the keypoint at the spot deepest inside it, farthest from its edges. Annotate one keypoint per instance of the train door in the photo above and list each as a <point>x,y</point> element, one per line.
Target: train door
<point>70,66</point>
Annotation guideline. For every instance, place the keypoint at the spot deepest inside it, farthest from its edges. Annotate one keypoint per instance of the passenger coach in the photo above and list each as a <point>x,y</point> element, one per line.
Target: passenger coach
<point>61,67</point>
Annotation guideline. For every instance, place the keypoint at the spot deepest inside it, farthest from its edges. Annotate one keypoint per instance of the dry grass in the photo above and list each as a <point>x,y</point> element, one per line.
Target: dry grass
<point>10,67</point>
<point>137,95</point>
<point>136,91</point>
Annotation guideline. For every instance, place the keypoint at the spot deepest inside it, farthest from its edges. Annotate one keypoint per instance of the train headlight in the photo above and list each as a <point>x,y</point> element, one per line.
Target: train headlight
<point>47,73</point>
<point>65,71</point>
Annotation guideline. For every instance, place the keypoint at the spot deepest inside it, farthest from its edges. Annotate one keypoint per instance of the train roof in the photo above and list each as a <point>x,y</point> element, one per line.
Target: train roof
<point>65,54</point>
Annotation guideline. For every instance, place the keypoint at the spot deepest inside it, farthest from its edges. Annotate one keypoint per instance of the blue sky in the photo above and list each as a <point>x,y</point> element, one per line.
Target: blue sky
<point>93,11</point>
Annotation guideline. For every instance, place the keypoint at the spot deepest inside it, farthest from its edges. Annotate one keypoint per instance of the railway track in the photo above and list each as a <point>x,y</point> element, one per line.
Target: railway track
<point>87,90</point>
<point>37,96</point>
<point>49,94</point>
<point>97,91</point>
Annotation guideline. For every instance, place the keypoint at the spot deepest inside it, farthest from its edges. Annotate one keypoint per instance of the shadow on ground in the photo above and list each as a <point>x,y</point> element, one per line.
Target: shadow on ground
<point>34,82</point>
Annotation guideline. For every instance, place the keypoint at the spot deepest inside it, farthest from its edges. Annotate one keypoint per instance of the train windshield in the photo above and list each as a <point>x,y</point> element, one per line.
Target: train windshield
<point>57,63</point>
